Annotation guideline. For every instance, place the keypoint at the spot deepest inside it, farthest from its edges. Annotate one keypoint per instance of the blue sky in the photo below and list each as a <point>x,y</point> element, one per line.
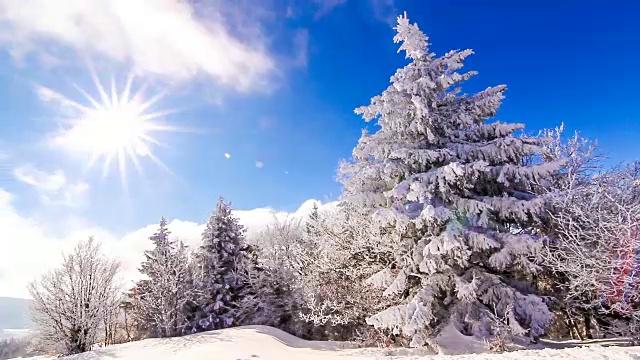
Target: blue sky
<point>274,84</point>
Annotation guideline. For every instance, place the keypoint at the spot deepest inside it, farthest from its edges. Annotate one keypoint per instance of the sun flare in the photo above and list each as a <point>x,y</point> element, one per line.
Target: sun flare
<point>116,128</point>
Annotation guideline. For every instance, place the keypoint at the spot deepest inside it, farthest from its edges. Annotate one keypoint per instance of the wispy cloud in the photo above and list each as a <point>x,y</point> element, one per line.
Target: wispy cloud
<point>72,195</point>
<point>326,6</point>
<point>62,104</point>
<point>4,155</point>
<point>267,123</point>
<point>53,187</point>
<point>301,47</point>
<point>175,42</point>
<point>385,10</point>
<point>41,180</point>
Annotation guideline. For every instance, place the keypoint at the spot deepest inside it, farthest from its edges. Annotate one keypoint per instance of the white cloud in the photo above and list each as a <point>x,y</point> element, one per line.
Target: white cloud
<point>48,95</point>
<point>385,10</point>
<point>25,249</point>
<point>164,37</point>
<point>53,187</point>
<point>72,195</point>
<point>30,249</point>
<point>41,180</point>
<point>326,6</point>
<point>259,164</point>
<point>289,12</point>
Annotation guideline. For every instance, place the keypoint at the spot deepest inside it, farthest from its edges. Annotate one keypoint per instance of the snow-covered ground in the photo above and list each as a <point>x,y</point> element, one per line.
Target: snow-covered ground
<point>264,343</point>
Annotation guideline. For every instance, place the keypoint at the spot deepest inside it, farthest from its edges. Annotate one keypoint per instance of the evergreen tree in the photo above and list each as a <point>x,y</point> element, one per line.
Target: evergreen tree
<point>313,222</point>
<point>160,299</point>
<point>269,298</point>
<point>449,182</point>
<point>222,263</point>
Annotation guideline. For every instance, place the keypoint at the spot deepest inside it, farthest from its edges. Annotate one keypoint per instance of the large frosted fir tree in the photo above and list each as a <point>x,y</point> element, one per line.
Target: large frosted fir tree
<point>221,276</point>
<point>453,189</point>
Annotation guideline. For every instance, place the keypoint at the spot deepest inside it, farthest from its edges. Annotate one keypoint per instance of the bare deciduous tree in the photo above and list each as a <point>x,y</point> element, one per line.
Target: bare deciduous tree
<point>594,245</point>
<point>324,262</point>
<point>346,247</point>
<point>72,302</point>
<point>581,159</point>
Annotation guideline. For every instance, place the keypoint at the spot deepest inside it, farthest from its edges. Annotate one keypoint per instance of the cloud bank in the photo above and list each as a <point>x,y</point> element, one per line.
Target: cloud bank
<point>162,37</point>
<point>27,249</point>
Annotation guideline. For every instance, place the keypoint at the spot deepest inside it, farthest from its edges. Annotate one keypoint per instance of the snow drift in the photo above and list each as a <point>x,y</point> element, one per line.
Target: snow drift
<point>265,343</point>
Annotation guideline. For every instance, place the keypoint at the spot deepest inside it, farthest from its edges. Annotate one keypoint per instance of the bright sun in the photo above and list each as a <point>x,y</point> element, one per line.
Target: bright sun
<point>117,128</point>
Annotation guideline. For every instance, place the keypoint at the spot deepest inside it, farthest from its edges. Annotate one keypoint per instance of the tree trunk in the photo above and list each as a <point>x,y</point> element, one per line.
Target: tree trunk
<point>573,327</point>
<point>126,326</point>
<point>587,326</point>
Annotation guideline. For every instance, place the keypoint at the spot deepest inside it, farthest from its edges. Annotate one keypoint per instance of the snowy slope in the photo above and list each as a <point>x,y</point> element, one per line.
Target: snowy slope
<point>264,343</point>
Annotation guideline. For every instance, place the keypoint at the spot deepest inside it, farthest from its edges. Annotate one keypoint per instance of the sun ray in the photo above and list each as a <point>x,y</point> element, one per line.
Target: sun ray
<point>158,114</point>
<point>135,161</point>
<point>94,102</point>
<point>114,93</point>
<point>92,161</point>
<point>152,140</point>
<point>147,104</point>
<point>127,89</point>
<point>138,96</point>
<point>52,95</point>
<point>107,163</point>
<point>103,94</point>
<point>160,163</point>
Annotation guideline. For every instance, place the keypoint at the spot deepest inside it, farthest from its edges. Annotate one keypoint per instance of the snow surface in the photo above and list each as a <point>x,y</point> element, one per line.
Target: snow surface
<point>265,343</point>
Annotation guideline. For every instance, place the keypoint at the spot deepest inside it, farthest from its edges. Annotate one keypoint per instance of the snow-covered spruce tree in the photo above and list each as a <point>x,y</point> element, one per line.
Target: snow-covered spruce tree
<point>160,298</point>
<point>451,183</point>
<point>221,271</point>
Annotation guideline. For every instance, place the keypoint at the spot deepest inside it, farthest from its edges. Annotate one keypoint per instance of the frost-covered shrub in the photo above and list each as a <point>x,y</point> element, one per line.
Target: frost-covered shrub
<point>324,262</point>
<point>347,249</point>
<point>70,301</point>
<point>594,231</point>
<point>274,292</point>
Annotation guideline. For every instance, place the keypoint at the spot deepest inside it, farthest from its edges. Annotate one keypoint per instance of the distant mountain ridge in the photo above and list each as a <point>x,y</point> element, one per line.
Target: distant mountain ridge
<point>14,313</point>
